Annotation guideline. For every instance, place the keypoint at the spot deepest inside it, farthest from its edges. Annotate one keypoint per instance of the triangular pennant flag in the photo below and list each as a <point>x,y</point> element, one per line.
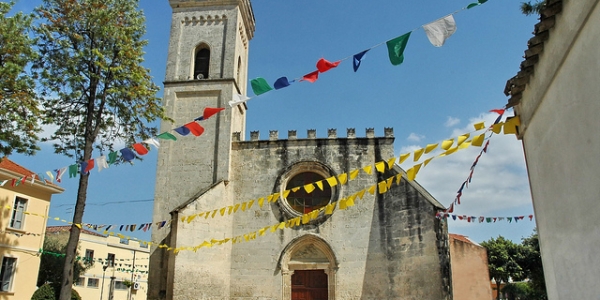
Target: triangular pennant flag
<point>238,99</point>
<point>418,154</point>
<point>462,138</point>
<point>357,59</point>
<point>153,142</point>
<point>353,174</point>
<point>319,184</point>
<point>210,111</point>
<point>440,30</point>
<point>311,77</point>
<point>166,136</point>
<point>182,130</point>
<point>396,48</point>
<point>309,188</point>
<point>496,128</point>
<point>371,190</point>
<point>464,145</point>
<point>426,162</point>
<point>89,167</point>
<point>140,149</point>
<point>391,162</point>
<point>478,140</point>
<point>510,126</point>
<point>281,83</point>
<point>332,181</point>
<point>127,154</point>
<point>430,148</point>
<point>403,157</point>
<point>367,169</point>
<point>447,144</point>
<point>260,86</point>
<point>380,166</point>
<point>499,111</point>
<point>323,65</point>
<point>382,187</point>
<point>342,178</point>
<point>479,126</point>
<point>194,128</point>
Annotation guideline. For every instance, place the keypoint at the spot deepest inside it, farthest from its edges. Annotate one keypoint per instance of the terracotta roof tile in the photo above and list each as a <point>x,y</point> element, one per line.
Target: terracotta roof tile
<point>58,229</point>
<point>10,165</point>
<point>516,85</point>
<point>461,238</point>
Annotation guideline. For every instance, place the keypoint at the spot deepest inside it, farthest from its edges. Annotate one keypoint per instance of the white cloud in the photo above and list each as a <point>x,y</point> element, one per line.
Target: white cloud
<point>413,137</point>
<point>452,122</point>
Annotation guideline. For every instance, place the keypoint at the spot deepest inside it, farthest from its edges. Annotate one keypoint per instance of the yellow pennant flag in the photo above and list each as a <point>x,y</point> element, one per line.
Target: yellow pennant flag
<point>314,214</point>
<point>253,235</point>
<point>380,166</point>
<point>331,181</point>
<point>281,225</point>
<point>391,162</point>
<point>329,208</point>
<point>465,145</point>
<point>497,128</point>
<point>342,204</point>
<point>274,227</point>
<point>398,178</point>
<point>269,198</point>
<point>382,187</point>
<point>319,184</point>
<point>389,182</point>
<point>243,206</point>
<point>246,237</point>
<point>295,189</point>
<point>235,208</point>
<point>368,169</point>
<point>426,162</point>
<point>215,212</point>
<point>305,219</point>
<point>418,154</point>
<point>207,214</point>
<point>275,197</point>
<point>510,127</point>
<point>222,211</point>
<point>309,188</point>
<point>462,138</point>
<point>451,150</point>
<point>230,207</point>
<point>191,218</point>
<point>361,193</point>
<point>479,126</point>
<point>350,202</point>
<point>343,178</point>
<point>353,174</point>
<point>261,231</point>
<point>412,172</point>
<point>478,140</point>
<point>261,201</point>
<point>430,147</point>
<point>372,189</point>
<point>297,221</point>
<point>250,204</point>
<point>403,157</point>
<point>447,144</point>
<point>182,218</point>
<point>286,193</point>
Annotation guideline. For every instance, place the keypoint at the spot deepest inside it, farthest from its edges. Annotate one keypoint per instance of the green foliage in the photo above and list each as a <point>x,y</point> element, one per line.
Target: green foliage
<point>503,257</point>
<point>127,283</point>
<point>19,107</point>
<point>47,292</point>
<point>532,266</point>
<point>517,290</point>
<point>51,265</point>
<point>535,8</point>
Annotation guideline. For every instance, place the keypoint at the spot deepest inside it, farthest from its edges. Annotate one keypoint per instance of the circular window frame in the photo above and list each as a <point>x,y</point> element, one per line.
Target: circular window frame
<point>302,167</point>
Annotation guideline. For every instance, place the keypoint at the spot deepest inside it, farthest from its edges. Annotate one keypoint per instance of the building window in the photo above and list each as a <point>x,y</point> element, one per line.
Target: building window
<point>80,281</point>
<point>119,285</point>
<point>93,282</point>
<point>7,273</point>
<point>110,260</point>
<point>202,62</point>
<point>302,201</point>
<point>18,215</point>
<point>239,69</point>
<point>124,241</point>
<point>89,255</point>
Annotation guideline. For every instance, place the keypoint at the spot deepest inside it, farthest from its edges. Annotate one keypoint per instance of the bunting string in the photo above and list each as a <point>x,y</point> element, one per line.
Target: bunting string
<point>437,32</point>
<point>482,219</point>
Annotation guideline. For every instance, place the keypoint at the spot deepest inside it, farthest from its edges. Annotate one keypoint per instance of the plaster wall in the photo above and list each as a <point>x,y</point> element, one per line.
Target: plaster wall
<point>470,273</point>
<point>559,120</point>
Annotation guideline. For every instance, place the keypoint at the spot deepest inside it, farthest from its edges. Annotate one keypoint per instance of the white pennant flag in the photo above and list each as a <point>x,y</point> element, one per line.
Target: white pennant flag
<point>101,162</point>
<point>152,141</point>
<point>440,30</point>
<point>238,99</point>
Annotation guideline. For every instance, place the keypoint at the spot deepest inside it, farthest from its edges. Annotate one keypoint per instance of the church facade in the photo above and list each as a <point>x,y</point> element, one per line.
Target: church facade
<point>384,245</point>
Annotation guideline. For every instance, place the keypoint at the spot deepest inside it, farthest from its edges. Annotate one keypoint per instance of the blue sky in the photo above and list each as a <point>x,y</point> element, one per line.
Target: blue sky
<point>437,93</point>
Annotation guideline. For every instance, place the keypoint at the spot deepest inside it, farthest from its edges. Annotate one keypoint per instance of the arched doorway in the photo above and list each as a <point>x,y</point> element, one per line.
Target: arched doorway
<point>308,269</point>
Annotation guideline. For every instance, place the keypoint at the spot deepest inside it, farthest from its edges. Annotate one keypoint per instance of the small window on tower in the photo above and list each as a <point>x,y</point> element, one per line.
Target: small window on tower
<point>201,62</point>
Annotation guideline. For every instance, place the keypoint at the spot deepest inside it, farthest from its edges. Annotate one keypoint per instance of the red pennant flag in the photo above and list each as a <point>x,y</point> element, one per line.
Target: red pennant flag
<point>311,77</point>
<point>194,128</point>
<point>140,149</point>
<point>23,179</point>
<point>494,219</point>
<point>210,111</point>
<point>498,111</point>
<point>14,181</point>
<point>451,209</point>
<point>89,166</point>
<point>323,65</point>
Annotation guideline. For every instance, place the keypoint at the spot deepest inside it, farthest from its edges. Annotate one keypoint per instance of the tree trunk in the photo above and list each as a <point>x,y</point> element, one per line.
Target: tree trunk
<point>497,290</point>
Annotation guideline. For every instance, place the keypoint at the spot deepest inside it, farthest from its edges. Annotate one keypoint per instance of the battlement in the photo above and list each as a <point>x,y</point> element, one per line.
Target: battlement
<point>311,134</point>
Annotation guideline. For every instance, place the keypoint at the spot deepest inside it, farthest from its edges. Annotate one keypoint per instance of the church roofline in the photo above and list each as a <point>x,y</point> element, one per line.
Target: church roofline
<point>197,195</point>
<point>419,188</point>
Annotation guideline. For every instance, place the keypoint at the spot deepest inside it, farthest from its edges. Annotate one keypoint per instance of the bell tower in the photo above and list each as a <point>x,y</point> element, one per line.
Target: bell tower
<point>207,65</point>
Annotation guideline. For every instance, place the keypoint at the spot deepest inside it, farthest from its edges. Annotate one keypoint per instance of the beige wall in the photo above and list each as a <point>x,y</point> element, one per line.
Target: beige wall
<point>559,116</point>
<point>470,274</point>
<point>25,248</point>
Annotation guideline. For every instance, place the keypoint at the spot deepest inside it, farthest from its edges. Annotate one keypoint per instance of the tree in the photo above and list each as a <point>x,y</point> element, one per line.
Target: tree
<point>96,91</point>
<point>531,262</point>
<point>48,292</point>
<point>529,8</point>
<point>19,108</point>
<point>53,260</point>
<point>503,258</point>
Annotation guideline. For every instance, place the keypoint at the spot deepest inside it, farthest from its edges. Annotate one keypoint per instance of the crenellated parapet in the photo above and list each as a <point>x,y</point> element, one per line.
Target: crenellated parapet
<point>311,134</point>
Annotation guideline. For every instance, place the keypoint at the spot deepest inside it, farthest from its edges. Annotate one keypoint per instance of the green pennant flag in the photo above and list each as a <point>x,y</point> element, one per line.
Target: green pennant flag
<point>396,48</point>
<point>112,157</point>
<point>166,136</point>
<point>260,86</point>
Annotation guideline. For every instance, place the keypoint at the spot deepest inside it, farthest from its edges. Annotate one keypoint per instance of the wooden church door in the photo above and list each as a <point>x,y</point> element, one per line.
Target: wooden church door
<point>309,285</point>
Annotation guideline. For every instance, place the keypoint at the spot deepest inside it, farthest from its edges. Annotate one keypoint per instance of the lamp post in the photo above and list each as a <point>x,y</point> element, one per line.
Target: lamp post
<point>103,272</point>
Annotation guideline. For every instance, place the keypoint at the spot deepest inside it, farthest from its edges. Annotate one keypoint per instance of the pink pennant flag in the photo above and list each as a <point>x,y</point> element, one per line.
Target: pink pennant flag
<point>140,149</point>
<point>311,77</point>
<point>195,128</point>
<point>323,65</point>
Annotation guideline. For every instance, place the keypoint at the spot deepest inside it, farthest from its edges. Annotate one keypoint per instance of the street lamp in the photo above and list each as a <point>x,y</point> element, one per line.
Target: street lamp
<point>104,267</point>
